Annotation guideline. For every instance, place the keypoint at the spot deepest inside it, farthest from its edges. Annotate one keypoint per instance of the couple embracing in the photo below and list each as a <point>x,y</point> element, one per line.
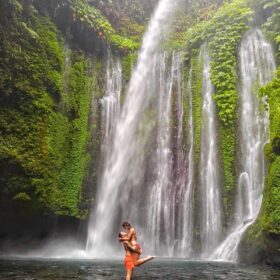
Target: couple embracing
<point>132,249</point>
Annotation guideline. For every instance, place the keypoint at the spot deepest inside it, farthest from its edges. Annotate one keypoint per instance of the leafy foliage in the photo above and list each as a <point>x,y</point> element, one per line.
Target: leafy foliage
<point>261,233</point>
<point>270,218</point>
<point>196,83</point>
<point>127,65</point>
<point>229,25</point>
<point>44,132</point>
<point>93,18</point>
<point>223,31</point>
<point>192,18</point>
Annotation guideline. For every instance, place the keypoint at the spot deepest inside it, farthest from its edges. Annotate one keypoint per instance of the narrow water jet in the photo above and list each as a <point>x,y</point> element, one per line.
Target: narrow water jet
<point>256,66</point>
<point>186,229</point>
<point>122,178</point>
<point>110,104</point>
<point>211,226</point>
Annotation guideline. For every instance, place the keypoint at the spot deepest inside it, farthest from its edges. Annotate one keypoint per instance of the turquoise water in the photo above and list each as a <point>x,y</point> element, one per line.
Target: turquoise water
<point>114,270</point>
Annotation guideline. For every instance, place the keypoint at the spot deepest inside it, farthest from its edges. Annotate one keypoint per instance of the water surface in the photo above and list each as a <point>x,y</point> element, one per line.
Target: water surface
<point>114,270</point>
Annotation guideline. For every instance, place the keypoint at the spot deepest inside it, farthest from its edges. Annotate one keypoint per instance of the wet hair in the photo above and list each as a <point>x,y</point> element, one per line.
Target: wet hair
<point>126,224</point>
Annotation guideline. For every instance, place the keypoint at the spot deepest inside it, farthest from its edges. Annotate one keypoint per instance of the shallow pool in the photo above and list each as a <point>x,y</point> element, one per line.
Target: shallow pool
<point>114,270</point>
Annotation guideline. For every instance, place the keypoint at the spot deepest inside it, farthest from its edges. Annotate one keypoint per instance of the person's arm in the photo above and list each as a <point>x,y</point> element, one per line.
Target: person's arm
<point>131,248</point>
<point>129,235</point>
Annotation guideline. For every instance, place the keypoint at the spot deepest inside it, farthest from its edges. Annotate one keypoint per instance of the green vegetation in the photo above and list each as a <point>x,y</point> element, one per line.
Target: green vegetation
<point>93,18</point>
<point>229,25</point>
<point>48,93</point>
<point>263,235</point>
<point>74,136</point>
<point>127,65</point>
<point>192,16</point>
<point>223,31</point>
<point>44,133</point>
<point>269,219</point>
<point>196,87</point>
<point>45,93</point>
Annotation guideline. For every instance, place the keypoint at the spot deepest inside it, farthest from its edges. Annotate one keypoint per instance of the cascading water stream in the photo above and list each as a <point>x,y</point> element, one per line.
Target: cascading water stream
<point>111,104</point>
<point>159,213</point>
<point>118,194</point>
<point>168,227</point>
<point>163,211</point>
<point>186,244</point>
<point>256,67</point>
<point>211,228</point>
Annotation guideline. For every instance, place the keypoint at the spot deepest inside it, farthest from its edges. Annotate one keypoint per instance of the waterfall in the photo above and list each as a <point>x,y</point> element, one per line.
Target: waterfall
<point>110,109</point>
<point>160,212</point>
<point>110,104</point>
<point>256,68</point>
<point>209,169</point>
<point>122,178</point>
<point>186,229</point>
<point>164,208</point>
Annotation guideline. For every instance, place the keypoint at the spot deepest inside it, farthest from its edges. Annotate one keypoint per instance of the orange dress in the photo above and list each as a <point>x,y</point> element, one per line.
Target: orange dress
<point>128,262</point>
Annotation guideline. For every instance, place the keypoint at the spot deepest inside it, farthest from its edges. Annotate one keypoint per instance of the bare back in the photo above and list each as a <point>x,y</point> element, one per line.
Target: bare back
<point>132,236</point>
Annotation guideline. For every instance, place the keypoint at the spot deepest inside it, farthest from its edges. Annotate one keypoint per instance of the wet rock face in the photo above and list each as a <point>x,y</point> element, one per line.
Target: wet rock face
<point>273,248</point>
<point>276,145</point>
<point>23,226</point>
<point>263,250</point>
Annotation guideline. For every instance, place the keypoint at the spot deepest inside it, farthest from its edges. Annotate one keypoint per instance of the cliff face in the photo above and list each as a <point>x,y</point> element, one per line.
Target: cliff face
<point>52,78</point>
<point>52,56</point>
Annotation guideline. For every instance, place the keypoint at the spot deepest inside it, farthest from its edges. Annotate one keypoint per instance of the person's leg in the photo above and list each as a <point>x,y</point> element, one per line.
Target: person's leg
<point>128,274</point>
<point>142,261</point>
<point>129,265</point>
